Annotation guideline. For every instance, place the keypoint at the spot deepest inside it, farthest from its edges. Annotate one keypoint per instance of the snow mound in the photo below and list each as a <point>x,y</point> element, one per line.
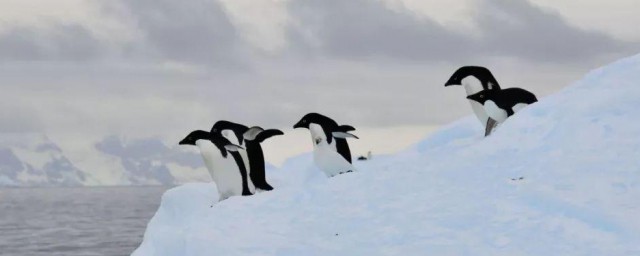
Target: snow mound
<point>561,177</point>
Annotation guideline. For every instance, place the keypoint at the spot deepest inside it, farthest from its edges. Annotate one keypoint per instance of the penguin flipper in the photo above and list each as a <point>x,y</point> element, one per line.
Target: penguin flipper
<point>268,134</point>
<point>344,135</point>
<point>346,128</point>
<point>232,147</point>
<point>252,133</point>
<point>491,124</point>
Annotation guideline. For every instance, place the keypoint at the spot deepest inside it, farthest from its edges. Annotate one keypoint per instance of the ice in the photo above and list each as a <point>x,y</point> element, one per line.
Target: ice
<point>561,177</point>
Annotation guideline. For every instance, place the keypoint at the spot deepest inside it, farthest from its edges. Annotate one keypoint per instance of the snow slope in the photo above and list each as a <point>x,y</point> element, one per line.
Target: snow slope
<point>455,193</point>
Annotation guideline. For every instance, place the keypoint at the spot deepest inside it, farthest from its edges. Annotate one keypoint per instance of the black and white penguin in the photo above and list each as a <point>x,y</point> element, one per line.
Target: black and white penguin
<point>476,79</point>
<point>330,149</point>
<point>252,138</point>
<point>501,104</point>
<point>229,173</point>
<point>234,133</point>
<point>325,127</point>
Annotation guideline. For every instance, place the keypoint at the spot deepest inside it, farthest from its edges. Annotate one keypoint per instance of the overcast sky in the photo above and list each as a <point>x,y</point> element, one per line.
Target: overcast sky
<point>162,67</point>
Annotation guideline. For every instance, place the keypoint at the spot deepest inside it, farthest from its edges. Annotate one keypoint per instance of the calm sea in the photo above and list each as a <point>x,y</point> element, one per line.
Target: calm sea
<point>75,221</point>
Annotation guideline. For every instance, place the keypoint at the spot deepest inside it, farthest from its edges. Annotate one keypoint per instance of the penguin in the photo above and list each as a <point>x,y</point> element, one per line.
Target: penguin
<point>501,104</point>
<point>229,173</point>
<point>325,127</point>
<point>234,133</point>
<point>252,138</point>
<point>476,79</point>
<point>327,159</point>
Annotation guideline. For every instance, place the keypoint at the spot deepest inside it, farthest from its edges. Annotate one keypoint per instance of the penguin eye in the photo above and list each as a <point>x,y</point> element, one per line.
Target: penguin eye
<point>215,130</point>
<point>482,96</point>
<point>304,121</point>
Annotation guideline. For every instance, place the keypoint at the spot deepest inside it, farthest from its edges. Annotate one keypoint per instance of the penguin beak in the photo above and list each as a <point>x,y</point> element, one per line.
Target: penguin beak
<point>183,142</point>
<point>298,125</point>
<point>451,81</point>
<point>473,98</point>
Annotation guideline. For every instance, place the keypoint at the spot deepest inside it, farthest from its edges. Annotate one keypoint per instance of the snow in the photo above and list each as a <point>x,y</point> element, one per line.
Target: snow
<point>454,193</point>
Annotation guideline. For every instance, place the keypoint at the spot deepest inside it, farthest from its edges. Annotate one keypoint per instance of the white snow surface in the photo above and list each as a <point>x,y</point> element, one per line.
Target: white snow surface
<point>578,152</point>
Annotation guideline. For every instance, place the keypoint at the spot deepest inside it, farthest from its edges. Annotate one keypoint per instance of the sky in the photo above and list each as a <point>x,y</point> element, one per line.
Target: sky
<point>163,68</point>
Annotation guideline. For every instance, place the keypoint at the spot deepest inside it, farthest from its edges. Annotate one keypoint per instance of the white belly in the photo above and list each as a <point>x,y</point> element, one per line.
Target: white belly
<point>224,171</point>
<point>473,86</point>
<point>496,113</point>
<point>330,162</point>
<point>228,134</point>
<point>480,112</point>
<point>519,107</point>
<point>317,132</point>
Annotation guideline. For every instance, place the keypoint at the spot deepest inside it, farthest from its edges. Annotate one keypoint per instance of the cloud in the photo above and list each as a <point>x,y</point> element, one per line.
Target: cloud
<point>59,42</point>
<point>361,29</point>
<point>366,29</point>
<point>18,117</point>
<point>197,32</point>
<point>358,61</point>
<point>174,33</point>
<point>520,29</point>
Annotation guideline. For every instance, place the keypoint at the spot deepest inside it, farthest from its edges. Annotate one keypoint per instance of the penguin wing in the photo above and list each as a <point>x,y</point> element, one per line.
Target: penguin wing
<point>344,135</point>
<point>268,134</point>
<point>345,128</point>
<point>233,147</point>
<point>252,133</point>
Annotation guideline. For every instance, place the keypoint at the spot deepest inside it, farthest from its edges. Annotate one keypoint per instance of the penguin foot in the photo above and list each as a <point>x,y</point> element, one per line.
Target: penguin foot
<point>515,179</point>
<point>246,193</point>
<point>265,187</point>
<point>491,124</point>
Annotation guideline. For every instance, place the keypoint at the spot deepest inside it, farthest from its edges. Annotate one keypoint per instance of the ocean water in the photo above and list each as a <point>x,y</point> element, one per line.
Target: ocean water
<point>75,221</point>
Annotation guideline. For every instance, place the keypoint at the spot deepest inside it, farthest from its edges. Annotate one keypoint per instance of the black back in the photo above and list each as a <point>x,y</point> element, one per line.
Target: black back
<point>256,158</point>
<point>506,98</point>
<point>483,74</point>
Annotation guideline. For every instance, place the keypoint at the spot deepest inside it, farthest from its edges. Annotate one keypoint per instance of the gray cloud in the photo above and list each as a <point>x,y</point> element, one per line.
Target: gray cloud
<point>520,29</point>
<point>197,32</point>
<point>16,117</point>
<point>364,29</point>
<point>361,29</point>
<point>189,32</point>
<point>61,42</point>
<point>356,60</point>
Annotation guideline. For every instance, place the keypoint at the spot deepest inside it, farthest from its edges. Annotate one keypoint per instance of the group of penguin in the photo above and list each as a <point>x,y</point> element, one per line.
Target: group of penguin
<point>235,160</point>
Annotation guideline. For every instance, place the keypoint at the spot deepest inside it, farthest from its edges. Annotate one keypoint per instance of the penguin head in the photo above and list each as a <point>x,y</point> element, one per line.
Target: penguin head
<point>229,129</point>
<point>482,96</point>
<point>195,136</point>
<point>327,124</point>
<point>315,118</point>
<point>482,74</point>
<point>220,142</point>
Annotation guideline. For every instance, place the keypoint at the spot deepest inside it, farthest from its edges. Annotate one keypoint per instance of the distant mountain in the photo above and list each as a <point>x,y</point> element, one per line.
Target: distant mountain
<point>33,160</point>
<point>30,160</point>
